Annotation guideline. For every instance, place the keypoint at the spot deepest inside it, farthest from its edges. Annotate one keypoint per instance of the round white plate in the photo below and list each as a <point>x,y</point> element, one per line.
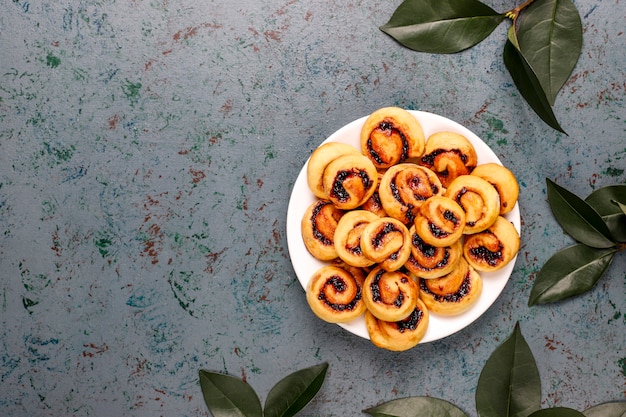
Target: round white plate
<point>305,265</point>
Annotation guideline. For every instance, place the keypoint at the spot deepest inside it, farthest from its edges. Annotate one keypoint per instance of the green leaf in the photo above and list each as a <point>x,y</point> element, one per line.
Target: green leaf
<point>416,407</point>
<point>609,203</point>
<point>617,225</point>
<point>509,384</point>
<point>528,84</point>
<point>550,38</point>
<point>557,412</point>
<point>604,200</point>
<point>295,391</point>
<point>512,37</point>
<point>569,272</point>
<point>227,396</point>
<point>577,218</point>
<point>441,26</point>
<point>611,409</point>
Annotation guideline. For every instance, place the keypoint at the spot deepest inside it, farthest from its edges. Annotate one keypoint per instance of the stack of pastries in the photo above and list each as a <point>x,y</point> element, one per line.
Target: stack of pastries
<point>405,225</point>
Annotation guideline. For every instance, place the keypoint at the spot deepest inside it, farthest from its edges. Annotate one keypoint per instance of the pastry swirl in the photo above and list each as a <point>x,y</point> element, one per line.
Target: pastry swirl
<point>427,261</point>
<point>389,295</point>
<point>453,293</point>
<point>348,237</point>
<point>387,242</point>
<point>399,335</point>
<point>493,248</point>
<point>354,270</point>
<point>318,229</point>
<point>440,221</point>
<point>335,295</point>
<point>405,187</point>
<point>319,160</point>
<point>349,181</point>
<point>479,199</point>
<point>504,182</point>
<point>374,205</point>
<point>449,155</point>
<point>391,135</point>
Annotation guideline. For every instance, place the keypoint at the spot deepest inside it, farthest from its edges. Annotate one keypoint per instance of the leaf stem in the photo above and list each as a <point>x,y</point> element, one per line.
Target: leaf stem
<point>514,12</point>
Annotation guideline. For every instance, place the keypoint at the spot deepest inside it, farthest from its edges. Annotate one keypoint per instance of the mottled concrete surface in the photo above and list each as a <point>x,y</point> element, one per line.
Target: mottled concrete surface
<point>147,154</point>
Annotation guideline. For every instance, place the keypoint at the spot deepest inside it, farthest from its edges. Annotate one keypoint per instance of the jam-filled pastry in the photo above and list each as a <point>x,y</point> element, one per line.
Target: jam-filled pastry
<point>493,248</point>
<point>348,237</point>
<point>479,200</point>
<point>354,270</point>
<point>405,187</point>
<point>504,182</point>
<point>350,180</point>
<point>389,295</point>
<point>318,229</point>
<point>374,205</point>
<point>440,221</point>
<point>427,261</point>
<point>398,335</point>
<point>335,294</point>
<point>391,135</point>
<point>319,160</point>
<point>449,155</point>
<point>453,293</point>
<point>387,242</point>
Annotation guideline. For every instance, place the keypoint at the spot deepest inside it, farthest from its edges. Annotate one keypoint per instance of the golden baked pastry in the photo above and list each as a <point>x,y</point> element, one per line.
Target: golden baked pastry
<point>389,295</point>
<point>479,200</point>
<point>318,229</point>
<point>354,270</point>
<point>391,135</point>
<point>504,182</point>
<point>319,160</point>
<point>405,187</point>
<point>350,180</point>
<point>453,293</point>
<point>387,242</point>
<point>493,248</point>
<point>440,221</point>
<point>449,155</point>
<point>348,237</point>
<point>335,295</point>
<point>398,335</point>
<point>427,261</point>
<point>374,205</point>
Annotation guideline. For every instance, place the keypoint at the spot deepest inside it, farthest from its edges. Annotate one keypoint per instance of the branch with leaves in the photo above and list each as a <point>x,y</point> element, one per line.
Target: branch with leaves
<point>542,48</point>
<point>509,385</point>
<point>598,225</point>
<point>227,396</point>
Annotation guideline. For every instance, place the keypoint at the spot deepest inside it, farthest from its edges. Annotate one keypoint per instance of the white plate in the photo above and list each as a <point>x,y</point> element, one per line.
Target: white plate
<point>305,265</point>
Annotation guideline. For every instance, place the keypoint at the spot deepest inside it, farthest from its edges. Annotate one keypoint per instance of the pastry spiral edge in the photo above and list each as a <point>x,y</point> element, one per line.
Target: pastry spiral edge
<point>494,248</point>
<point>335,294</point>
<point>318,226</point>
<point>349,181</point>
<point>389,295</point>
<point>402,334</point>
<point>319,160</point>
<point>403,189</point>
<point>387,242</point>
<point>454,293</point>
<point>391,135</point>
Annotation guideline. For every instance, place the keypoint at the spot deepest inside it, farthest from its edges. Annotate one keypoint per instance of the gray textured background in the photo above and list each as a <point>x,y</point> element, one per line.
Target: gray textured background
<point>147,154</point>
